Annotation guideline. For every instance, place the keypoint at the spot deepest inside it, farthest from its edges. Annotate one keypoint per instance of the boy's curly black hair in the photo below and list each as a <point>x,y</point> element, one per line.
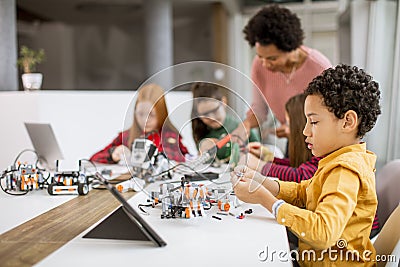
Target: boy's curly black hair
<point>346,88</point>
<point>275,25</point>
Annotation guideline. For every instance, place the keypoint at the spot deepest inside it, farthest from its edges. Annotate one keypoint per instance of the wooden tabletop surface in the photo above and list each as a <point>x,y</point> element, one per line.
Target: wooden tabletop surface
<point>30,242</point>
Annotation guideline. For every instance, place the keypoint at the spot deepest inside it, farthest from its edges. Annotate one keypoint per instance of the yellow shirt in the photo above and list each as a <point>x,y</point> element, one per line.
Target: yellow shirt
<point>332,213</point>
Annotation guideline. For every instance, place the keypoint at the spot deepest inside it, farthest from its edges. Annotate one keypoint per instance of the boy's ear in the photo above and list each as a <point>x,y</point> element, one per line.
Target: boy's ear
<point>350,121</point>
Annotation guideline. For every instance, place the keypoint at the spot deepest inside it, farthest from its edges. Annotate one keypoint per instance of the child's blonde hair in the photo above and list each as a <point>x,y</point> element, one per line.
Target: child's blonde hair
<point>154,94</point>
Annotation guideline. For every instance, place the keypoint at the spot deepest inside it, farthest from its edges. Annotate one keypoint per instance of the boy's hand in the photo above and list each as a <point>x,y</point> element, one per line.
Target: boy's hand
<point>247,179</point>
<point>248,187</point>
<point>249,174</point>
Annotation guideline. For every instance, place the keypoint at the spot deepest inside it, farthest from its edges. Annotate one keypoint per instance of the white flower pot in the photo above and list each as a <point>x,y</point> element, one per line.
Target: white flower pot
<point>32,81</point>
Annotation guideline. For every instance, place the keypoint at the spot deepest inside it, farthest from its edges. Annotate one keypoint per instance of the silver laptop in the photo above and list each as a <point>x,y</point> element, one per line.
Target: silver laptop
<point>45,143</point>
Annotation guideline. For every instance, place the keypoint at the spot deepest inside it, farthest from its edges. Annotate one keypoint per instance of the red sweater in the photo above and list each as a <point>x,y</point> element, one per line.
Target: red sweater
<point>169,142</point>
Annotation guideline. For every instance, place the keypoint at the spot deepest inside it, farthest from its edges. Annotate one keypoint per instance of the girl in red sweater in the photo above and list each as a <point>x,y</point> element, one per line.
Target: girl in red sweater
<point>150,120</point>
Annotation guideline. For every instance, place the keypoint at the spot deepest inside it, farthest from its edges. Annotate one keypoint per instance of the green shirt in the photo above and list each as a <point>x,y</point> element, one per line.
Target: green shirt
<point>229,125</point>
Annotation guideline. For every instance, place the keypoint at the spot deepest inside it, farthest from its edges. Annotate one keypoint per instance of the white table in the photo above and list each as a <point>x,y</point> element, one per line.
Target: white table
<point>200,241</point>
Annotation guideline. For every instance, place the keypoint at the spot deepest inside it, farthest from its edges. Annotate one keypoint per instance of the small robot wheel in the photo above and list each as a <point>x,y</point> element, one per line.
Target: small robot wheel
<point>50,189</point>
<point>19,185</point>
<point>83,189</point>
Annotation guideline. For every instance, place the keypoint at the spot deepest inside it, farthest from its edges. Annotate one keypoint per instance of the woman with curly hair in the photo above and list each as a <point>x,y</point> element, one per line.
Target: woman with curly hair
<point>282,67</point>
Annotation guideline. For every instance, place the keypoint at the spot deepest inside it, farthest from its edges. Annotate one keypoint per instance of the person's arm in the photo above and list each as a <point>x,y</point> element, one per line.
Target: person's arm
<point>282,131</point>
<point>283,161</point>
<point>243,129</point>
<point>252,187</point>
<point>105,155</point>
<point>250,191</point>
<point>182,147</point>
<point>338,196</point>
<point>254,136</point>
<point>250,122</point>
<point>259,108</point>
<point>286,173</point>
<point>173,147</point>
<point>251,161</point>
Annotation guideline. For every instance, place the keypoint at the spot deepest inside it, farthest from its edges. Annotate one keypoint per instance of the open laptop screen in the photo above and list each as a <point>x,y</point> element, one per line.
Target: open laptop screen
<point>45,143</point>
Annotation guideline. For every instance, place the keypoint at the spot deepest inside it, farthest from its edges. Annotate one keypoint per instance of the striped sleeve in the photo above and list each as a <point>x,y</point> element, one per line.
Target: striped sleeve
<point>286,173</point>
<point>375,224</point>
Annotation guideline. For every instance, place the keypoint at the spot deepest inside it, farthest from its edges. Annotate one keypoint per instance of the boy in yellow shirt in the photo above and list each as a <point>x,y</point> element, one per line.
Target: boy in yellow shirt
<point>331,213</point>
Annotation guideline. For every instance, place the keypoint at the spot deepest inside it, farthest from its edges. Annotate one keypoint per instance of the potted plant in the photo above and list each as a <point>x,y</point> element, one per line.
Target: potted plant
<point>28,59</point>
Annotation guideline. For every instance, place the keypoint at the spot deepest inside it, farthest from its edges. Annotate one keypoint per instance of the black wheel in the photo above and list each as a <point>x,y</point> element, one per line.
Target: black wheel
<point>50,189</point>
<point>18,185</point>
<point>83,189</point>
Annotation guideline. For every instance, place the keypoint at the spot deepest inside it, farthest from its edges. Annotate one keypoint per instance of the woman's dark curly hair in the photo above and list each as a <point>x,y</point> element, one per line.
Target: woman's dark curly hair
<point>275,25</point>
<point>345,88</point>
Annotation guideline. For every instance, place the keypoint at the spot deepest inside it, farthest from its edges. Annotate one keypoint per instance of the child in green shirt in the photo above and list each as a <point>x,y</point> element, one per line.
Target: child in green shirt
<point>212,120</point>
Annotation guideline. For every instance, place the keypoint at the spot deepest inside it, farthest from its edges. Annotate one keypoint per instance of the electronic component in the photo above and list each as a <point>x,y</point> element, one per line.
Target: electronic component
<point>211,153</point>
<point>188,200</point>
<point>185,201</point>
<point>136,184</point>
<point>147,163</point>
<point>68,182</point>
<point>22,177</point>
<point>143,153</point>
<point>201,176</point>
<point>223,205</point>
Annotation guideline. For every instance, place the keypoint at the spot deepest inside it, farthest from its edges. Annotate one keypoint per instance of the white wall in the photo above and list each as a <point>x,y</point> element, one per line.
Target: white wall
<point>83,121</point>
<point>393,151</point>
<point>373,37</point>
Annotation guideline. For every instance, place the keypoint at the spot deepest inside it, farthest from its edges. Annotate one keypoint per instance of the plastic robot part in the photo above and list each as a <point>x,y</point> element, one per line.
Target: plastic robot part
<point>147,163</point>
<point>211,153</point>
<point>241,216</point>
<point>23,177</point>
<point>69,182</point>
<point>224,205</point>
<point>249,211</point>
<point>185,201</point>
<point>134,183</point>
<point>143,152</point>
<point>240,174</point>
